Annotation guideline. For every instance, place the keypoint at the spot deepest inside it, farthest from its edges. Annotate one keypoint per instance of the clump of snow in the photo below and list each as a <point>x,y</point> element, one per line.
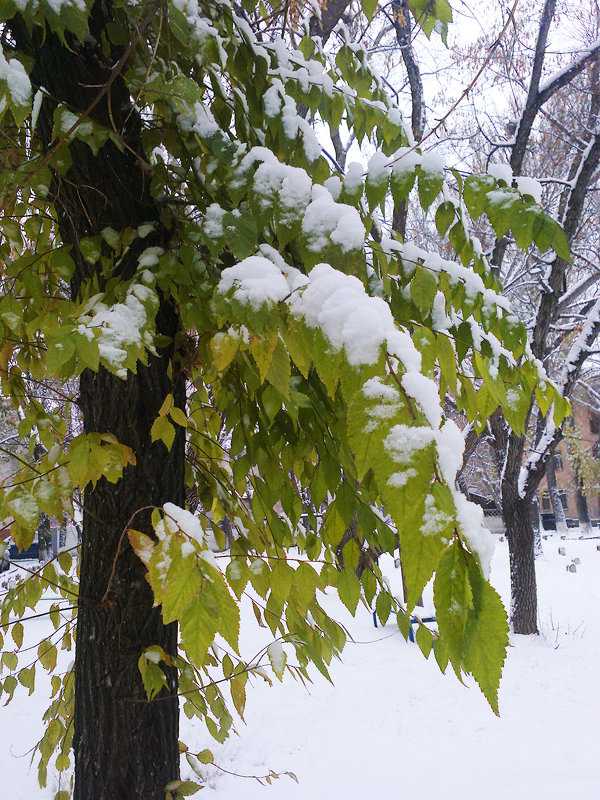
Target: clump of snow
<point>213,221</point>
<point>424,391</point>
<point>150,256</point>
<point>353,179</point>
<point>277,657</point>
<point>472,527</point>
<point>333,186</point>
<point>256,280</point>
<point>16,80</point>
<point>201,121</point>
<point>529,186</point>
<point>338,304</point>
<point>502,198</point>
<point>121,325</point>
<point>326,220</point>
<point>450,448</point>
<point>434,520</point>
<point>378,170</point>
<point>405,160</point>
<point>375,389</point>
<point>433,163</point>
<point>502,172</point>
<point>440,320</point>
<point>401,478</point>
<point>404,441</point>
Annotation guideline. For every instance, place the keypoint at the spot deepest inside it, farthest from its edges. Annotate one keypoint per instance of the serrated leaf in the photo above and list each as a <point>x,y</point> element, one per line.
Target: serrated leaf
<point>486,635</point>
<point>142,544</point>
<point>401,183</point>
<point>262,349</point>
<point>475,192</point>
<point>17,635</point>
<point>348,587</point>
<point>47,654</point>
<point>224,348</point>
<point>162,429</point>
<point>277,658</point>
<point>383,606</point>
<point>423,288</point>
<point>282,576</point>
<point>279,371</point>
<point>184,585</point>
<point>453,599</point>
<point>424,639</point>
<point>240,232</point>
<point>430,184</point>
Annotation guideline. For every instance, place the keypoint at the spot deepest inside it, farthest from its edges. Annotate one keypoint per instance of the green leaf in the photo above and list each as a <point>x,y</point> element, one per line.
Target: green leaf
<point>240,232</point>
<point>17,635</point>
<point>164,431</point>
<point>282,576</point>
<point>184,585</point>
<point>486,636</point>
<point>475,192</point>
<point>383,606</point>
<point>401,183</point>
<point>279,370</point>
<point>424,640</point>
<point>348,587</point>
<point>430,184</point>
<point>453,600</point>
<point>224,347</point>
<point>369,6</point>
<point>423,288</point>
<point>444,216</point>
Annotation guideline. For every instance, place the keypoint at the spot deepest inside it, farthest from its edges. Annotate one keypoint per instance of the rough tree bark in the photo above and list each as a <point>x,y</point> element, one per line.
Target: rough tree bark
<point>125,747</point>
<point>517,518</point>
<point>523,612</point>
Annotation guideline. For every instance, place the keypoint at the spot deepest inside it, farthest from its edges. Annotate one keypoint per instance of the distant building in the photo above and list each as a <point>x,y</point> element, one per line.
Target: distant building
<point>586,422</point>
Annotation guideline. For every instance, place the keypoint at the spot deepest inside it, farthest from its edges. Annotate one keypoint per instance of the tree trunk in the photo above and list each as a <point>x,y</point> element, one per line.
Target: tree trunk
<point>44,538</point>
<point>519,533</point>
<point>534,516</point>
<point>557,506</point>
<point>126,748</point>
<point>583,511</point>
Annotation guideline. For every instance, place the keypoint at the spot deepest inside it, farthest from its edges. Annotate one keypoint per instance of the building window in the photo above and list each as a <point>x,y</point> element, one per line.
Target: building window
<point>558,461</point>
<point>545,502</point>
<point>594,424</point>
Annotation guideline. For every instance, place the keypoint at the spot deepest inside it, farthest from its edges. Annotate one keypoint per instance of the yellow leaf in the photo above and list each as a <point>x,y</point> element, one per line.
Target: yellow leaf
<point>142,545</point>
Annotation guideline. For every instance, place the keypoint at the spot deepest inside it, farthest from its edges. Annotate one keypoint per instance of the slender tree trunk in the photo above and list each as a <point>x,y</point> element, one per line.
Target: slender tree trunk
<point>44,538</point>
<point>126,748</point>
<point>520,536</point>
<point>534,516</point>
<point>557,506</point>
<point>583,511</point>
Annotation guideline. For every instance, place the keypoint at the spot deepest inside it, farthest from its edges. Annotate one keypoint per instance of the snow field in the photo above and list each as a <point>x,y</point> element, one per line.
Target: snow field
<point>393,726</point>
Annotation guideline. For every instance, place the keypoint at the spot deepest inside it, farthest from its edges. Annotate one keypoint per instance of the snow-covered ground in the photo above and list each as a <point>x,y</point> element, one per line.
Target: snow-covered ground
<point>394,726</point>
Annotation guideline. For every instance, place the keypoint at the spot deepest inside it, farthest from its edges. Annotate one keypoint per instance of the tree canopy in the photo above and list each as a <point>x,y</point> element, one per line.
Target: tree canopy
<point>176,239</point>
